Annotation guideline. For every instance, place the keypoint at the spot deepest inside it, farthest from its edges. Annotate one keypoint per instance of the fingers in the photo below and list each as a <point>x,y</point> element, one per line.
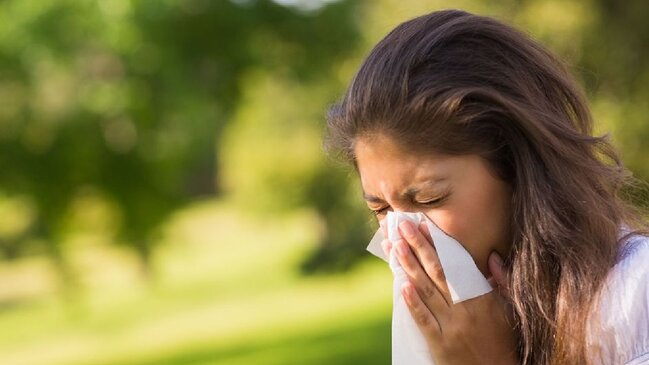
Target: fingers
<point>423,228</point>
<point>428,291</point>
<point>425,252</point>
<point>425,319</point>
<point>499,276</point>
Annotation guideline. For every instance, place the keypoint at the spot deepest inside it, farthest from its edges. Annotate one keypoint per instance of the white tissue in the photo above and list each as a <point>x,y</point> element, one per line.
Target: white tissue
<point>463,279</point>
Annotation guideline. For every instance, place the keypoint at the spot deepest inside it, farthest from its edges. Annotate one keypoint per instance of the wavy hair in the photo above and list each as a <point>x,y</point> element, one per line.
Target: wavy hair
<point>456,83</point>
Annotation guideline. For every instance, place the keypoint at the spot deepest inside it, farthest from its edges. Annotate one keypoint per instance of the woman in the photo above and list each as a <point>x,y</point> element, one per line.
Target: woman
<point>470,122</point>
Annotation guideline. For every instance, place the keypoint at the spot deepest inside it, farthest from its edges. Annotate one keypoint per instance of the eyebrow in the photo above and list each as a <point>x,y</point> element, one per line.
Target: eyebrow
<point>407,195</point>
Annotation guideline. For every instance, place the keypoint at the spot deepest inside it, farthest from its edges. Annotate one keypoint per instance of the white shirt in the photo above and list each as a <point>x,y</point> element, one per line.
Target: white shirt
<point>622,333</point>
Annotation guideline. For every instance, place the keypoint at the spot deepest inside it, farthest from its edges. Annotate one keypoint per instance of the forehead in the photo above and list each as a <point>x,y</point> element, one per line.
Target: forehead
<point>382,164</point>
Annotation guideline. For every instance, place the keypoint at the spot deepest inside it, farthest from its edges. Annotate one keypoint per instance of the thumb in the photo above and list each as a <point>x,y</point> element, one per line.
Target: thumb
<point>499,276</point>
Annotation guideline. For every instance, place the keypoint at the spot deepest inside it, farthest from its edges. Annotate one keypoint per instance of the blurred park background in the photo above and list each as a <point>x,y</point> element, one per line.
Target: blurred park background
<point>164,196</point>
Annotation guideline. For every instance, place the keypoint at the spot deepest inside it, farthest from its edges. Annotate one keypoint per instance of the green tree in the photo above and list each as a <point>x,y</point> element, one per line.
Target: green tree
<point>130,97</point>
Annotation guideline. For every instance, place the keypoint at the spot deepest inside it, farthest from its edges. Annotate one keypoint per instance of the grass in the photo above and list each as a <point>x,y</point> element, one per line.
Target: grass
<point>226,291</point>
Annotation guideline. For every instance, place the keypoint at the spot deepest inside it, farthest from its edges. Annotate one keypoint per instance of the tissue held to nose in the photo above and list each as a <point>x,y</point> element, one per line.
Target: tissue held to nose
<point>463,278</point>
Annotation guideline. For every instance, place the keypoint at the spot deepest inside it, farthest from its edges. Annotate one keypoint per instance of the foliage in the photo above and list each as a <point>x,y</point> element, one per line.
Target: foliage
<point>129,98</point>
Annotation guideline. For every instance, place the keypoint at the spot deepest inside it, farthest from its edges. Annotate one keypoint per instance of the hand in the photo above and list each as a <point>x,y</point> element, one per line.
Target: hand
<point>475,331</point>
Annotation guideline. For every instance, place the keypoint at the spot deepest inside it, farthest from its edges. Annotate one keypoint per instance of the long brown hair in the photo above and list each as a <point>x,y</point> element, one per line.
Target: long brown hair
<point>457,83</point>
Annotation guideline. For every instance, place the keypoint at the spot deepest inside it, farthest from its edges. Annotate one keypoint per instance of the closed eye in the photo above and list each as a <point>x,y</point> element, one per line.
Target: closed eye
<point>432,202</point>
<point>426,203</point>
<point>379,211</point>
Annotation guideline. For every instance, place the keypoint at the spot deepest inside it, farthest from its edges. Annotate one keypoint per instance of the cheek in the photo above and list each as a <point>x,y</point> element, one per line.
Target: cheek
<point>465,225</point>
<point>477,222</point>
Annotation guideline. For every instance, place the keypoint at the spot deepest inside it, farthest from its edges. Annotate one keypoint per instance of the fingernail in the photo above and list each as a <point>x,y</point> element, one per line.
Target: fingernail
<point>407,229</point>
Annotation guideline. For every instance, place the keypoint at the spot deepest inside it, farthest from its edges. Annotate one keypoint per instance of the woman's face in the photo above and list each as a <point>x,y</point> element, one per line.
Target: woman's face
<point>459,193</point>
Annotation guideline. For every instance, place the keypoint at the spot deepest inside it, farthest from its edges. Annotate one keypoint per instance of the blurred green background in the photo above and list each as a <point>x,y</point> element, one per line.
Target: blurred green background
<point>164,197</point>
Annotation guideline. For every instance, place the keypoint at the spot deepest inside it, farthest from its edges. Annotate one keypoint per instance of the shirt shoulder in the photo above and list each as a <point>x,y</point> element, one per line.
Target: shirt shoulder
<point>621,327</point>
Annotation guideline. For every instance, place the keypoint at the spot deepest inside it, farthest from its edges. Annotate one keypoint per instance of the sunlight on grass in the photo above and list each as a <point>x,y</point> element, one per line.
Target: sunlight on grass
<point>226,291</point>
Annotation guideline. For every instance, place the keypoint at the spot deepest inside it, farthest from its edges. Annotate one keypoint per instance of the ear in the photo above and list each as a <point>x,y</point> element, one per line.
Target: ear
<point>499,276</point>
